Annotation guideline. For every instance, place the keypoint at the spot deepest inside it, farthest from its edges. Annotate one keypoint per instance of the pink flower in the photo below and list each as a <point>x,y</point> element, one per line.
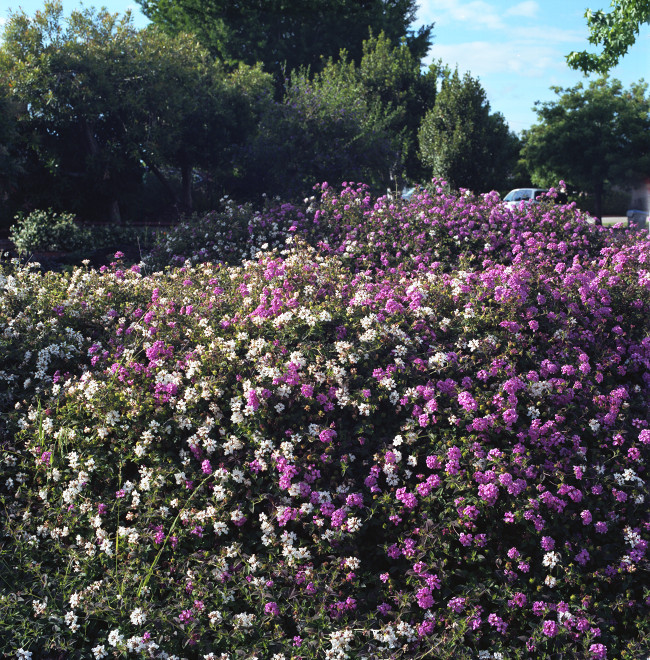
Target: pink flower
<point>498,623</point>
<point>488,493</point>
<point>424,598</point>
<point>598,651</point>
<point>467,402</point>
<point>409,500</point>
<point>549,628</point>
<point>327,435</point>
<point>272,609</point>
<point>518,599</point>
<point>547,543</point>
<point>465,539</point>
<point>510,416</point>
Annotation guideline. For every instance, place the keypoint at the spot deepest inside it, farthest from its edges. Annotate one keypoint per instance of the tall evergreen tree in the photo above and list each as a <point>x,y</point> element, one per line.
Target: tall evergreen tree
<point>464,143</point>
<point>287,34</point>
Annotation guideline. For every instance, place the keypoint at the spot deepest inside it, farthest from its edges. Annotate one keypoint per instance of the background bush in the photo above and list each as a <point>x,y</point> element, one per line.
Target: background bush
<point>43,231</point>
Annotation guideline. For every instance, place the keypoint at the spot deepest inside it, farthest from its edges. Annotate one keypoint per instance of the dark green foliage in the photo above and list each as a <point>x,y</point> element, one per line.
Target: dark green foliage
<point>462,142</point>
<point>289,34</point>
<point>102,103</point>
<point>591,137</point>
<point>392,76</point>
<point>11,161</point>
<point>324,129</point>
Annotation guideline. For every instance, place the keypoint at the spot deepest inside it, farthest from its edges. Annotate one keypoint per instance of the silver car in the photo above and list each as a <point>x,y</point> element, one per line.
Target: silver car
<point>518,195</point>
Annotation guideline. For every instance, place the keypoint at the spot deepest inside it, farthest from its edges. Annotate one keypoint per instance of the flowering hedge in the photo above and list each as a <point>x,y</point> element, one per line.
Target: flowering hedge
<point>394,429</point>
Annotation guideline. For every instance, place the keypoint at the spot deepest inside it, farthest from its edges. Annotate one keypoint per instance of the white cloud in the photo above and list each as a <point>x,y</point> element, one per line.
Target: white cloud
<point>483,58</point>
<point>476,14</point>
<point>526,9</point>
<point>545,34</point>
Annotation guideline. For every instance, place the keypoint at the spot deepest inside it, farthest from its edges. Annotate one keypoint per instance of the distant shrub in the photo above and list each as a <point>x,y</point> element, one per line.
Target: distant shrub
<point>229,235</point>
<point>48,231</point>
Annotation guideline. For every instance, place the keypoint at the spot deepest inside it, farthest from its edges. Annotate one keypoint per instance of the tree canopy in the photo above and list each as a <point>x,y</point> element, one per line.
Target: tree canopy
<point>591,137</point>
<point>99,99</point>
<point>615,31</point>
<point>288,34</point>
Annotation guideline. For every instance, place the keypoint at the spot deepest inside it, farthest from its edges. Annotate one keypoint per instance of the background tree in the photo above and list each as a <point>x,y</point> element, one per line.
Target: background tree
<point>392,77</point>
<point>288,34</point>
<point>193,112</point>
<point>323,129</point>
<point>11,157</point>
<point>464,143</point>
<point>66,79</point>
<point>347,122</point>
<point>616,31</point>
<point>100,100</point>
<point>591,137</point>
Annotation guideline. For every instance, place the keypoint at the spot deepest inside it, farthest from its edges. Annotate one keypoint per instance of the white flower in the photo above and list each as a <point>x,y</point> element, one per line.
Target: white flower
<point>244,620</point>
<point>70,618</point>
<point>115,637</point>
<point>352,563</point>
<point>438,360</point>
<point>215,617</point>
<point>551,559</point>
<point>39,606</point>
<point>21,654</point>
<point>138,616</point>
<point>100,652</point>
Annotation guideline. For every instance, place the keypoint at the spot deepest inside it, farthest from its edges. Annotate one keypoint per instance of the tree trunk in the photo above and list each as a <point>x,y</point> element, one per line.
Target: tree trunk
<point>114,213</point>
<point>163,181</point>
<point>598,202</point>
<point>186,176</point>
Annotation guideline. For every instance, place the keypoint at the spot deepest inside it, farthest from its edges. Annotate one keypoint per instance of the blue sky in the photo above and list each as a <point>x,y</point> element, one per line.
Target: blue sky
<point>515,48</point>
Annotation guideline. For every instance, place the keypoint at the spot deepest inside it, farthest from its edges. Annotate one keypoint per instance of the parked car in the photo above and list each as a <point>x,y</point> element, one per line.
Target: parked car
<point>527,195</point>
